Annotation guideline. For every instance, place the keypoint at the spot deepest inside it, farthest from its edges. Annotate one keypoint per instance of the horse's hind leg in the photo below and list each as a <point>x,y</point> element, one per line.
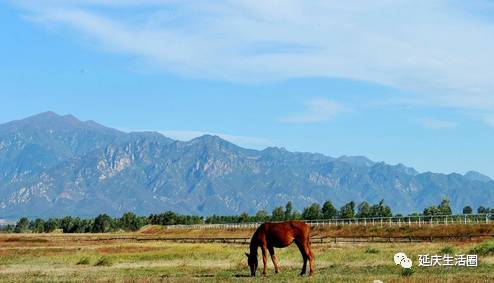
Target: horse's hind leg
<point>311,257</point>
<point>304,256</point>
<point>274,259</point>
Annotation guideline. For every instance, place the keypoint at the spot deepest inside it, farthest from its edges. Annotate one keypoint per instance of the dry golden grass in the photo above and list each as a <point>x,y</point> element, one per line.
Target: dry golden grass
<point>86,258</point>
<point>338,231</point>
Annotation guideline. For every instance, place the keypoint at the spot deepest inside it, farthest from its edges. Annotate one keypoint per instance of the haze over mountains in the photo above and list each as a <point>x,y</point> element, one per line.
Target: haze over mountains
<point>52,165</point>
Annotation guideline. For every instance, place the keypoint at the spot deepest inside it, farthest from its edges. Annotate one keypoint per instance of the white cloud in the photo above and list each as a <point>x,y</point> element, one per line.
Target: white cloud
<point>317,110</point>
<point>441,50</point>
<point>431,123</point>
<point>489,119</point>
<point>246,141</point>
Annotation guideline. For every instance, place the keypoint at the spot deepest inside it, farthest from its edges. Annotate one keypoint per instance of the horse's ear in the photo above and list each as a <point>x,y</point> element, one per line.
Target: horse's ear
<point>247,254</point>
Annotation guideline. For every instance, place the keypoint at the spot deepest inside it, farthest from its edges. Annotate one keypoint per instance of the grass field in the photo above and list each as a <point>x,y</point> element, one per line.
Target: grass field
<point>78,258</point>
<point>339,231</point>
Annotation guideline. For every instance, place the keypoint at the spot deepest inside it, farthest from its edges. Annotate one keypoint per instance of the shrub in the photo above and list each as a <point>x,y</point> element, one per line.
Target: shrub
<point>407,272</point>
<point>83,261</point>
<point>486,248</point>
<point>103,261</point>
<point>447,250</point>
<point>371,251</point>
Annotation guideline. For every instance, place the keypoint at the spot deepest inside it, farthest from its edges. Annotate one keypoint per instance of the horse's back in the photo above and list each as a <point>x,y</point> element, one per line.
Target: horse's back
<point>292,225</point>
<point>284,233</point>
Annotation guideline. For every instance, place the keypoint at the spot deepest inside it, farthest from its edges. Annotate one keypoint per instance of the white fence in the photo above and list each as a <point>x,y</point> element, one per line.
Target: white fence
<point>461,219</point>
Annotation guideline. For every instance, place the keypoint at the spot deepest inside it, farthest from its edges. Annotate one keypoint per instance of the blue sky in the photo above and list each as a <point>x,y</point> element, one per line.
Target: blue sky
<point>398,81</point>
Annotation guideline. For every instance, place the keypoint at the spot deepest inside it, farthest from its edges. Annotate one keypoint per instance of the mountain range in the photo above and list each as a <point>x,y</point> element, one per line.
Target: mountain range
<point>53,165</point>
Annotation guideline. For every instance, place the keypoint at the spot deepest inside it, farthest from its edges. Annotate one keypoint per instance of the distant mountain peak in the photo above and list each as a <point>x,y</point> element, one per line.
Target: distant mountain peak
<point>275,148</point>
<point>50,120</point>
<point>214,141</point>
<point>207,138</point>
<point>57,165</point>
<point>356,160</point>
<point>44,114</point>
<point>49,116</point>
<point>477,176</point>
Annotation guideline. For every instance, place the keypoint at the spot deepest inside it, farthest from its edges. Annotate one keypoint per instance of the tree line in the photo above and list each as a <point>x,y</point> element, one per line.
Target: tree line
<point>131,222</point>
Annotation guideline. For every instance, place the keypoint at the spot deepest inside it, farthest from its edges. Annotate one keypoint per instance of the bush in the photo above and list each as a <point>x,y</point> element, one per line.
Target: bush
<point>83,261</point>
<point>486,248</point>
<point>104,261</point>
<point>371,251</point>
<point>407,272</point>
<point>447,250</point>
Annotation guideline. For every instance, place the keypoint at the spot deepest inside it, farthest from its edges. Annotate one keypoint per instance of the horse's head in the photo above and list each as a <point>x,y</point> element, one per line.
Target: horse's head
<point>252,261</point>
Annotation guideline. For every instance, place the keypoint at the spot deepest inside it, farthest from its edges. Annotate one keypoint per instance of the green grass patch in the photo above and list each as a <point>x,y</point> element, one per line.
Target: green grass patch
<point>104,261</point>
<point>447,250</point>
<point>486,248</point>
<point>371,250</point>
<point>84,261</point>
<point>407,272</point>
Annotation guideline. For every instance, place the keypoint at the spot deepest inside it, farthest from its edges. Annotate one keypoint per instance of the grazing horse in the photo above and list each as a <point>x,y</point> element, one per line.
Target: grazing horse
<point>279,235</point>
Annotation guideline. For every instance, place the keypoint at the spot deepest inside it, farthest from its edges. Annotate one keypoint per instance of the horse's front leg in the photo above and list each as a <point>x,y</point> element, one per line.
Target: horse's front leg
<point>264,260</point>
<point>274,259</point>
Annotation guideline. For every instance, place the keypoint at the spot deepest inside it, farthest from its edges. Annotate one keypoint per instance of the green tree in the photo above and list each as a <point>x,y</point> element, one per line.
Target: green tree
<point>444,207</point>
<point>262,216</point>
<point>130,222</point>
<point>296,215</point>
<point>364,210</point>
<point>278,214</point>
<point>348,210</point>
<point>22,225</point>
<point>312,212</point>
<point>482,210</point>
<point>9,228</point>
<point>37,226</point>
<point>467,210</point>
<point>432,210</point>
<point>102,224</point>
<point>328,210</point>
<point>70,225</point>
<point>51,225</point>
<point>288,210</point>
<point>244,217</point>
<point>380,210</point>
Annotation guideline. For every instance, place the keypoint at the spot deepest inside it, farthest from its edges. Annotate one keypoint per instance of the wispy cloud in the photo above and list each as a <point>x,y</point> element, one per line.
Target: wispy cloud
<point>440,50</point>
<point>317,110</point>
<point>254,142</point>
<point>489,119</point>
<point>431,123</point>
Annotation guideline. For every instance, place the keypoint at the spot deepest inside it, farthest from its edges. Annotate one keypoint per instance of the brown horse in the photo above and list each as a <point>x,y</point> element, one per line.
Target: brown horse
<point>279,235</point>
